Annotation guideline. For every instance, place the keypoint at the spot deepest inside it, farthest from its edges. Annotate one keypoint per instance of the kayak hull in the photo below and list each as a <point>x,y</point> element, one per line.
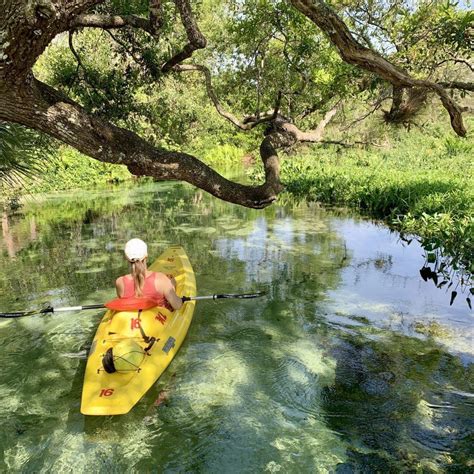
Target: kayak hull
<point>116,393</point>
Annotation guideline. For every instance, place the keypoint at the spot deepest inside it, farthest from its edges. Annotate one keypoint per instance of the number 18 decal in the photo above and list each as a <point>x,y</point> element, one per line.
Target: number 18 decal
<point>106,392</point>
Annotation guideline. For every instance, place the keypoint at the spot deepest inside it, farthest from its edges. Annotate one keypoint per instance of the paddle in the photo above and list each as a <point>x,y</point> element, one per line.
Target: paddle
<point>224,296</point>
<point>50,309</point>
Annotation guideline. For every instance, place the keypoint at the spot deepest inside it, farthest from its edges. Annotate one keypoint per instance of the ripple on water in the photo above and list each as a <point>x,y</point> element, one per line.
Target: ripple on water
<point>295,386</point>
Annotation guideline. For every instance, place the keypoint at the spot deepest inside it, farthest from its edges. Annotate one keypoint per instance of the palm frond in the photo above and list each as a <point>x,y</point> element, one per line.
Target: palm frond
<point>23,154</point>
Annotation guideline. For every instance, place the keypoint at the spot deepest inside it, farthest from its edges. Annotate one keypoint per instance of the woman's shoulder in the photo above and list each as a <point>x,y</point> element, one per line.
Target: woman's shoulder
<point>124,277</point>
<point>159,275</point>
<point>162,277</point>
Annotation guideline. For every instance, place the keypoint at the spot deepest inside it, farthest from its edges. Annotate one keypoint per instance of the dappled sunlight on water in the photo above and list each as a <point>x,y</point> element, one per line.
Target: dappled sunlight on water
<point>351,363</point>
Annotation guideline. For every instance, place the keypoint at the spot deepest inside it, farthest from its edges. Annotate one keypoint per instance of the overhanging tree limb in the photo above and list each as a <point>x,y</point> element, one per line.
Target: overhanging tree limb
<point>353,52</point>
<point>47,110</point>
<point>107,22</point>
<point>465,86</point>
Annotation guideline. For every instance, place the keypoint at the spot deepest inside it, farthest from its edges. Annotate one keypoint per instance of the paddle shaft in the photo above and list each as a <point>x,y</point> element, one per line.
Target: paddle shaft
<point>223,296</point>
<point>19,314</point>
<point>75,308</point>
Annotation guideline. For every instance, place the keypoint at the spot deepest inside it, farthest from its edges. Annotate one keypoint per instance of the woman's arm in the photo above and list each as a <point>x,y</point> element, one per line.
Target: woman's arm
<point>119,286</point>
<point>173,299</point>
<point>164,285</point>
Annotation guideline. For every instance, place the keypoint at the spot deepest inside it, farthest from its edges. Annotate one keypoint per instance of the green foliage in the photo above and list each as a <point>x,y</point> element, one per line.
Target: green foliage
<point>419,36</point>
<point>22,155</point>
<point>272,49</point>
<point>72,170</point>
<point>422,186</point>
<point>455,27</point>
<point>223,156</point>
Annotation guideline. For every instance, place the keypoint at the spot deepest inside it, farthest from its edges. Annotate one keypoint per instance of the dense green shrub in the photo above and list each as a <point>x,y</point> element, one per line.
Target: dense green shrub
<point>70,169</point>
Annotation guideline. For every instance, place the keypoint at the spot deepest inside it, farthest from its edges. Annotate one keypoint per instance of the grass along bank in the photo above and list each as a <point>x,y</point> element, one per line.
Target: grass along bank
<point>420,185</point>
<point>69,169</point>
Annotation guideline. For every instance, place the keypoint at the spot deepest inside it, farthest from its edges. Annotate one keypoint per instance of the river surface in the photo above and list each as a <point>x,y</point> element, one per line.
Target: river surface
<point>351,363</point>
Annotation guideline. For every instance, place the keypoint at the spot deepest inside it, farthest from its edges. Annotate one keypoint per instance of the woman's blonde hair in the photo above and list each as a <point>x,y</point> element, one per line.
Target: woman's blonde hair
<point>138,275</point>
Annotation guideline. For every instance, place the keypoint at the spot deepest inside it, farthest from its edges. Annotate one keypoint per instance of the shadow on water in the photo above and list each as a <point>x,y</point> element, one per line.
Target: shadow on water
<point>409,404</point>
<point>282,383</point>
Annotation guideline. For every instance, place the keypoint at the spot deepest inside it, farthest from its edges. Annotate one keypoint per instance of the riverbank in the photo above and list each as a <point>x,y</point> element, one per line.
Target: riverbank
<point>70,169</point>
<point>422,187</point>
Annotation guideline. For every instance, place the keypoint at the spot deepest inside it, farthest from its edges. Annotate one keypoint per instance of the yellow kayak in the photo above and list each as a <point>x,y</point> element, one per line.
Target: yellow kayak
<point>152,338</point>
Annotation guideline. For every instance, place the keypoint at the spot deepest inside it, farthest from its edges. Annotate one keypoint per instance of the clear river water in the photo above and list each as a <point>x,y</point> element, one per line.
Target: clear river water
<point>351,363</point>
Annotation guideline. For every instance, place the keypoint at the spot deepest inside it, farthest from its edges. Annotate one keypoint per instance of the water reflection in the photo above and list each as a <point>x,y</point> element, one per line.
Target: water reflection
<point>349,364</point>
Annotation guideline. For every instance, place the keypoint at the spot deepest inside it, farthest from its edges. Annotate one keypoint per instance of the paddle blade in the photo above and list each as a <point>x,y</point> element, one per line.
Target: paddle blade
<point>18,314</point>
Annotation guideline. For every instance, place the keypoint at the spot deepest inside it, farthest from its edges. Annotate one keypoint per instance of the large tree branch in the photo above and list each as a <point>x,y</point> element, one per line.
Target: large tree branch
<point>107,22</point>
<point>195,37</point>
<point>353,52</point>
<point>464,86</point>
<point>42,108</point>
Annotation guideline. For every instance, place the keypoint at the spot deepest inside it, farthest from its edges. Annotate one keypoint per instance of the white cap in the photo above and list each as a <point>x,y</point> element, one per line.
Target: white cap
<point>136,249</point>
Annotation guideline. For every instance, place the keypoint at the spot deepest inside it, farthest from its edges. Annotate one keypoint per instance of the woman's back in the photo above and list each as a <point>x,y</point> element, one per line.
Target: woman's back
<point>149,289</point>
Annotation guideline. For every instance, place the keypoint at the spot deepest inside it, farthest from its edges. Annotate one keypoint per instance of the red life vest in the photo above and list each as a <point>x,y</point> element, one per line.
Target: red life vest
<point>130,304</point>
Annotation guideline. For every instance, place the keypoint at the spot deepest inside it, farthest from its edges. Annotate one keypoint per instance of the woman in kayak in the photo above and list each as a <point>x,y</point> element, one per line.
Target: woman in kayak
<point>141,282</point>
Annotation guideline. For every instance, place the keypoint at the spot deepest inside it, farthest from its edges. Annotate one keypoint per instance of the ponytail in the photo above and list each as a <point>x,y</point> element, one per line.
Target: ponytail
<point>138,274</point>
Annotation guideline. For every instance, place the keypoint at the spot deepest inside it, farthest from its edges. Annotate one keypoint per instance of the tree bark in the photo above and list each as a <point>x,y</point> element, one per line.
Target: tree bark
<point>405,106</point>
<point>26,30</point>
<point>195,37</point>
